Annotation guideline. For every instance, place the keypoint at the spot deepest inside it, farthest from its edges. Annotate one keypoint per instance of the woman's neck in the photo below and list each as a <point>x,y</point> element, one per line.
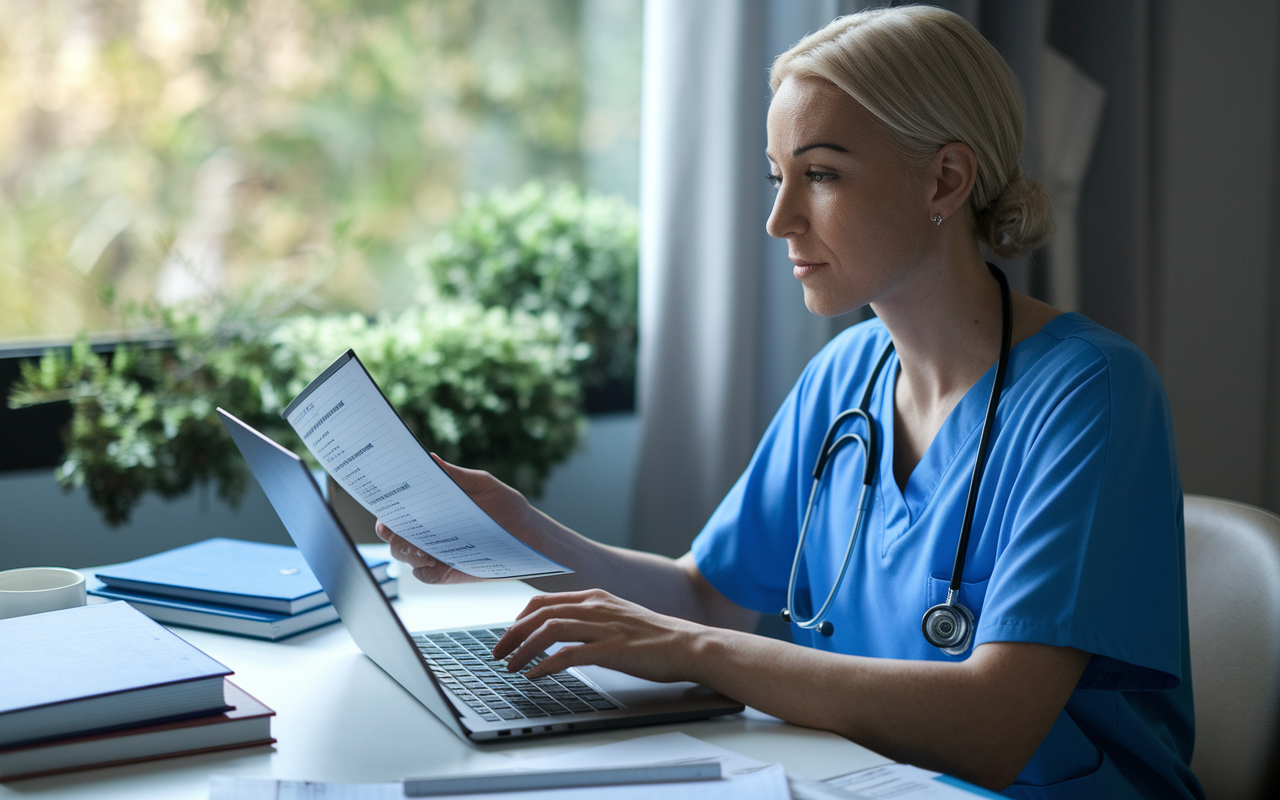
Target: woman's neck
<point>945,319</point>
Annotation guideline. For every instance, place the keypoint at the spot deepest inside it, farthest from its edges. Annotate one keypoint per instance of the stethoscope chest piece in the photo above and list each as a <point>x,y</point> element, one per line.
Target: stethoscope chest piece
<point>949,627</point>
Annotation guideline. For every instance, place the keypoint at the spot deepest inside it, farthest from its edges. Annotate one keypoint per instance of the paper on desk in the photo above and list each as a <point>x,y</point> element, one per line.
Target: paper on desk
<point>769,783</point>
<point>902,782</point>
<point>356,435</point>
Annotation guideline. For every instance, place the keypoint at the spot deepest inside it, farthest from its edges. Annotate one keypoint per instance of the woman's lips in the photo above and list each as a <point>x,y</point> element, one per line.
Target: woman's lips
<point>803,268</point>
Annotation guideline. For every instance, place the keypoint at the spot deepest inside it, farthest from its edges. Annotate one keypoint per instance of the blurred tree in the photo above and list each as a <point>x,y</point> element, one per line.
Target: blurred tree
<point>177,148</point>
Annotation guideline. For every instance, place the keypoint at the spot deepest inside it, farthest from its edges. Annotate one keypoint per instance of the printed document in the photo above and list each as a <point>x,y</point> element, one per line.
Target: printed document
<point>348,425</point>
<point>905,782</point>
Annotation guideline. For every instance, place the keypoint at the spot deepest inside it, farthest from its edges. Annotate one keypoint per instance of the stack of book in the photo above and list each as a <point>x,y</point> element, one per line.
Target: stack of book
<point>248,588</point>
<point>103,684</point>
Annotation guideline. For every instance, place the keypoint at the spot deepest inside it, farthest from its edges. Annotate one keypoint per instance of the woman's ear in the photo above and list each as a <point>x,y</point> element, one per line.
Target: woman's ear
<point>951,175</point>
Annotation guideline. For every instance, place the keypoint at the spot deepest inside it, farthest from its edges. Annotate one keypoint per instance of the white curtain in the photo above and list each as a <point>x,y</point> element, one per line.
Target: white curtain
<point>701,157</point>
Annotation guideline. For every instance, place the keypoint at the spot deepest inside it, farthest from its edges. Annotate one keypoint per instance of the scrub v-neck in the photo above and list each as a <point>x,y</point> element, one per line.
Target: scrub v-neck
<point>903,507</point>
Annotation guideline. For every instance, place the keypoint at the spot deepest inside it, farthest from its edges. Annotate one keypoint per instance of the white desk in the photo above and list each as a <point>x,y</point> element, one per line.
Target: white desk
<point>341,718</point>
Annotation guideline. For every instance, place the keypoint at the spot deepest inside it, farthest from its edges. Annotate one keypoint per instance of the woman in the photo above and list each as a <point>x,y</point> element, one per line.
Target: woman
<point>893,139</point>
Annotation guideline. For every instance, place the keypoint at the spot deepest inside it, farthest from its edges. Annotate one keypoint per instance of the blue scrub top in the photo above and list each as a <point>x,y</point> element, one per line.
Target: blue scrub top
<point>1077,541</point>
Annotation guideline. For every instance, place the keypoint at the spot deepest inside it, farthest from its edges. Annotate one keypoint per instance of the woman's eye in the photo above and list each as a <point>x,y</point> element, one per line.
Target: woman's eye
<point>774,180</point>
<point>819,177</point>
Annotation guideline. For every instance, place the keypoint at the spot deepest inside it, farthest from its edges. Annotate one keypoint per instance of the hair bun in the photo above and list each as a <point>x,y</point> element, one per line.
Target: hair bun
<point>1019,219</point>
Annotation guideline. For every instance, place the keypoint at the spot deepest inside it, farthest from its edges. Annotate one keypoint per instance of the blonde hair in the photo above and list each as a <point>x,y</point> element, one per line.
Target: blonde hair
<point>932,79</point>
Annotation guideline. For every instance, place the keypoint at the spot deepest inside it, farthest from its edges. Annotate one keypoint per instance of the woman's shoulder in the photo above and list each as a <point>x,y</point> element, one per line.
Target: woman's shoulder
<point>1079,373</point>
<point>1074,342</point>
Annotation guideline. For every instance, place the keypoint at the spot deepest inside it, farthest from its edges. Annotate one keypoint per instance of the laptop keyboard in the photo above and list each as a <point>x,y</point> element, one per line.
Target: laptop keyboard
<point>463,663</point>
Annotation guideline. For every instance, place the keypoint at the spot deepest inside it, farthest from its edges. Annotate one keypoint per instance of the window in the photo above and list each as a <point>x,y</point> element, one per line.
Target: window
<point>167,149</point>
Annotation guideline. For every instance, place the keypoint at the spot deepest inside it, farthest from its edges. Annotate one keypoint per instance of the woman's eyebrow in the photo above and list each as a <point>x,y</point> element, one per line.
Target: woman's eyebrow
<point>816,145</point>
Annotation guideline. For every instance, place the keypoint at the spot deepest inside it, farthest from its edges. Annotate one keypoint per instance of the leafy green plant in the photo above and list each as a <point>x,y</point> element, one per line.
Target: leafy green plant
<point>482,387</point>
<point>549,250</point>
<point>143,416</point>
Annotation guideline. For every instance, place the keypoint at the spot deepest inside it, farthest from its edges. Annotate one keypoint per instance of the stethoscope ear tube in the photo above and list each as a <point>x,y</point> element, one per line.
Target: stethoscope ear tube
<point>818,620</point>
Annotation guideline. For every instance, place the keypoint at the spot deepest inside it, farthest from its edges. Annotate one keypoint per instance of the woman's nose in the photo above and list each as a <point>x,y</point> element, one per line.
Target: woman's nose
<point>785,219</point>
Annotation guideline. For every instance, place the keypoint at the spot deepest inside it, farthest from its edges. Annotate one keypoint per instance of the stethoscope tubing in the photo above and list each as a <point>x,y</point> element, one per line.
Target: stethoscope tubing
<point>864,500</point>
<point>828,450</point>
<point>988,423</point>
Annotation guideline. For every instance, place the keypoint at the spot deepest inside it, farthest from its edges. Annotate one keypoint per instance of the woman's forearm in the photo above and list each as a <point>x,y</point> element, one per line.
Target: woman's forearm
<point>980,719</point>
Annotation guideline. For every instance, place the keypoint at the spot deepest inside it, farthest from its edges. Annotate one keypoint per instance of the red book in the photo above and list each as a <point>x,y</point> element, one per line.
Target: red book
<point>247,724</point>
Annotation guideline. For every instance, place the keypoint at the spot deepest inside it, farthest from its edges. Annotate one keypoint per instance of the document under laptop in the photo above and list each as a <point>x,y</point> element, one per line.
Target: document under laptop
<point>450,671</point>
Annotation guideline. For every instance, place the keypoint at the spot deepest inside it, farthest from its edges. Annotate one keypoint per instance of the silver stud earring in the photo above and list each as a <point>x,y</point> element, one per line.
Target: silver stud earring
<point>937,219</point>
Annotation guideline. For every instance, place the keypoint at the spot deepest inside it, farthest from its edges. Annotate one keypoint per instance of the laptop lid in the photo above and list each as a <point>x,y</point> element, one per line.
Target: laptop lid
<point>332,556</point>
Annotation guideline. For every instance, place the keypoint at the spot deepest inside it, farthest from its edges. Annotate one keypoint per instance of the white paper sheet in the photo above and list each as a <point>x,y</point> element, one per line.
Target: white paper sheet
<point>352,430</point>
<point>901,782</point>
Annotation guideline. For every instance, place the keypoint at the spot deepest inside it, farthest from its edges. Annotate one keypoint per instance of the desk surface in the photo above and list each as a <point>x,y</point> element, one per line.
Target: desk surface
<point>341,718</point>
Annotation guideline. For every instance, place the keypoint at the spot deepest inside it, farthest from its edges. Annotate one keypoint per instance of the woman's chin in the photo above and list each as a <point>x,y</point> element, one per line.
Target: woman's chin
<point>824,305</point>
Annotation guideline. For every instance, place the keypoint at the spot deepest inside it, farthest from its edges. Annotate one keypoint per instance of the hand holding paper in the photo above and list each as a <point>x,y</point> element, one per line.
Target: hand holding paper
<point>504,505</point>
<point>348,425</point>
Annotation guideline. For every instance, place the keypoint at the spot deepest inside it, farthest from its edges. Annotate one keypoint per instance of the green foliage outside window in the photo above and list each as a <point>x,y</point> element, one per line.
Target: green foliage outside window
<point>540,250</point>
<point>303,156</point>
<point>488,388</point>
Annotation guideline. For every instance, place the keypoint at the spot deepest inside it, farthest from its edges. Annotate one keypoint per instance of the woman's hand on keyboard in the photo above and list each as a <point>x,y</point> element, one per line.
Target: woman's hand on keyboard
<point>607,631</point>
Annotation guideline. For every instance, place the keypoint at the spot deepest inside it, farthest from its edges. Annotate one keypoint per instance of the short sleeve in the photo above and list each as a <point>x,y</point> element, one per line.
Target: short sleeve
<point>1091,546</point>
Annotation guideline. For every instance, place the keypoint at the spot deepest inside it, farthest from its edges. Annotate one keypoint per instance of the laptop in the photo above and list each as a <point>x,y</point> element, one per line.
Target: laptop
<point>451,672</point>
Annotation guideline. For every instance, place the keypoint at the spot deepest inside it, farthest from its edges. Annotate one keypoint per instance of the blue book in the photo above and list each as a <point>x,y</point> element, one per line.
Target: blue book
<point>230,572</point>
<point>228,619</point>
<point>97,667</point>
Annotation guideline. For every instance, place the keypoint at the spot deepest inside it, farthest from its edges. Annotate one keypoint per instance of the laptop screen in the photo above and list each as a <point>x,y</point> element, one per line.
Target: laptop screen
<point>333,557</point>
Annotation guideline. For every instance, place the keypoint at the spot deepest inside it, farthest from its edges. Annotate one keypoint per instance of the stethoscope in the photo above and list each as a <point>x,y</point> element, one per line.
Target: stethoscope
<point>948,625</point>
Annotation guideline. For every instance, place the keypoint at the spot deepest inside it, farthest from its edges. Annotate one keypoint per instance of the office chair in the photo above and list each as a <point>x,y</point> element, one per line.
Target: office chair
<point>1233,600</point>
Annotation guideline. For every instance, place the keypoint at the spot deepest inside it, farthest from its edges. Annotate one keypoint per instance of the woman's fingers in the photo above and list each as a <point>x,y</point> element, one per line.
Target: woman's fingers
<point>384,533</point>
<point>573,655</point>
<point>600,629</point>
<point>551,632</point>
<point>426,567</point>
<point>536,612</point>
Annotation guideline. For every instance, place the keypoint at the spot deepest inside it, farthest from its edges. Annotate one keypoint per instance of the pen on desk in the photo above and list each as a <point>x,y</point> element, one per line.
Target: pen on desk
<point>561,779</point>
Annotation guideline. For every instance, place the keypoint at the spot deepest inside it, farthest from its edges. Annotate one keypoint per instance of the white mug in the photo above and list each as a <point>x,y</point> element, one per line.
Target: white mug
<point>31,590</point>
